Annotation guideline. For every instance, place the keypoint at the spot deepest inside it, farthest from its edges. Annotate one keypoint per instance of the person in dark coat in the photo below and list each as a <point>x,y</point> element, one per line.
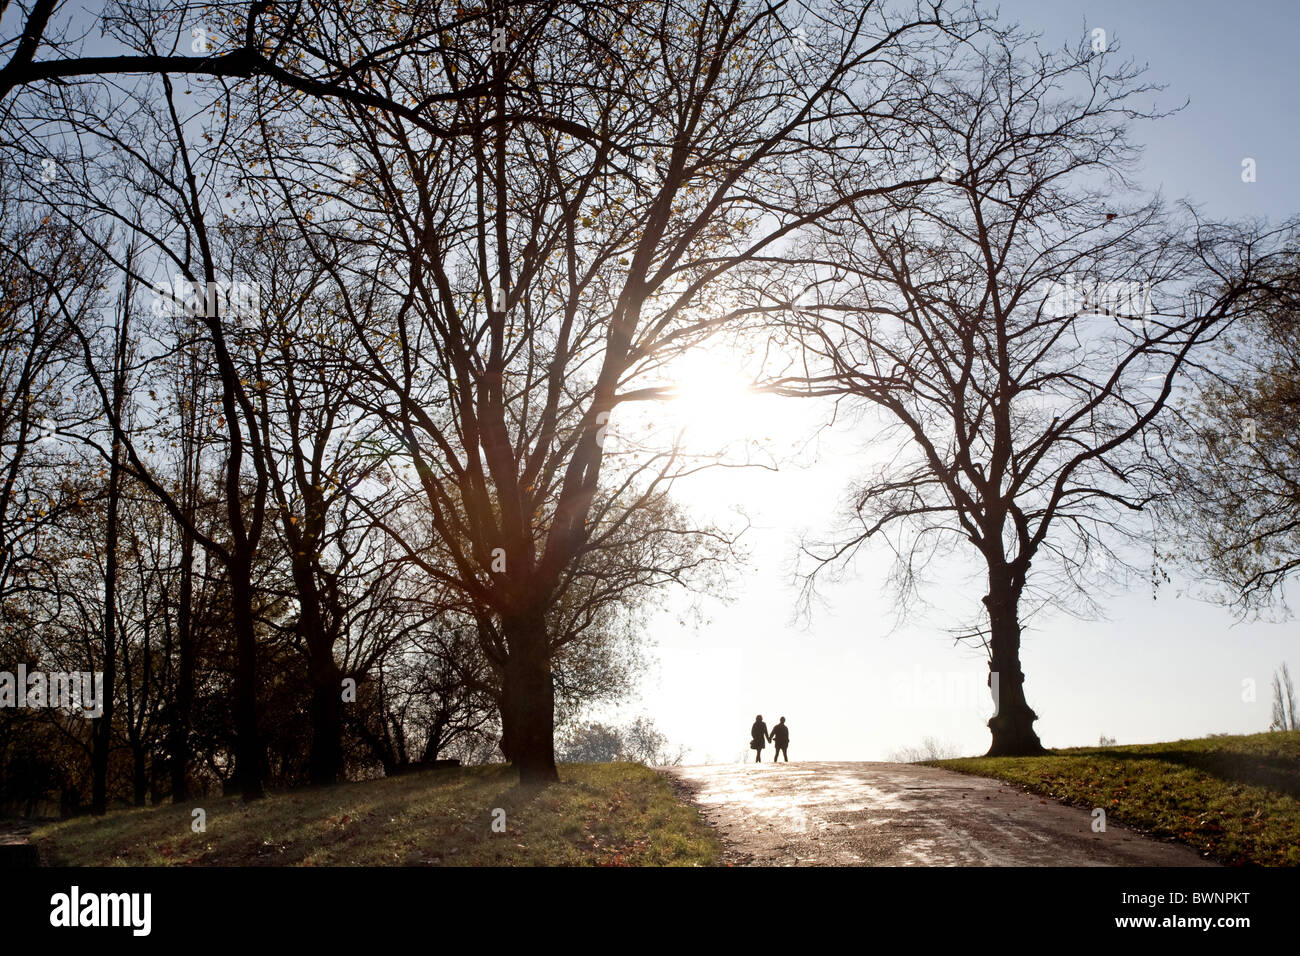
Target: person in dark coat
<point>780,734</point>
<point>758,738</point>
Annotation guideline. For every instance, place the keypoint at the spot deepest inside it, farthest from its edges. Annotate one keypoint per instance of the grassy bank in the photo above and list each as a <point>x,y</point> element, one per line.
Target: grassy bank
<point>599,814</point>
<point>1235,798</point>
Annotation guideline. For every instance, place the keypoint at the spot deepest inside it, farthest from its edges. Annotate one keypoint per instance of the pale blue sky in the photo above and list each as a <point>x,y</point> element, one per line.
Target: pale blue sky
<point>1161,670</point>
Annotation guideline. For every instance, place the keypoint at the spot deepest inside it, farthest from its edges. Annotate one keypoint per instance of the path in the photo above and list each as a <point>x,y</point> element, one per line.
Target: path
<point>889,814</point>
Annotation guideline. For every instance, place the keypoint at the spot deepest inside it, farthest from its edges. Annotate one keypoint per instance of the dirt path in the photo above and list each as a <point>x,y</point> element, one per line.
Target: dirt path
<point>17,831</point>
<point>888,814</point>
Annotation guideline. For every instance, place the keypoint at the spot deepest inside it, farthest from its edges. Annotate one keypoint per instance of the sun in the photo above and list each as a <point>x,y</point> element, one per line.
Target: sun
<point>714,411</point>
<point>714,403</point>
<point>741,445</point>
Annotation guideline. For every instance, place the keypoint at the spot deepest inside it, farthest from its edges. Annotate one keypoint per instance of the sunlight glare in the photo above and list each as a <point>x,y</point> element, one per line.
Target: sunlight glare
<point>713,404</point>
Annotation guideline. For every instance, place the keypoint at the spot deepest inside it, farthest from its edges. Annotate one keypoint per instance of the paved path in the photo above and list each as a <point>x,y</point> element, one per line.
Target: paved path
<point>17,831</point>
<point>889,814</point>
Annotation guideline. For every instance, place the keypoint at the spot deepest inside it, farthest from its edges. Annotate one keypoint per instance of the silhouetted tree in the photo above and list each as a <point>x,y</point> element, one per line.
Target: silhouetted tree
<point>509,290</point>
<point>1020,327</point>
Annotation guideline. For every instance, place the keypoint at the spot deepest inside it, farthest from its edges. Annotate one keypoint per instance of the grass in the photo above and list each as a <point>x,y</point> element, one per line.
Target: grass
<point>618,814</point>
<point>1235,799</point>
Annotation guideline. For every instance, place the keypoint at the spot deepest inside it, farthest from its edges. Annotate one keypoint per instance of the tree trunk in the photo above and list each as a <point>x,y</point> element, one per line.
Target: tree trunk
<point>434,743</point>
<point>397,736</point>
<point>507,722</point>
<point>1012,723</point>
<point>102,726</point>
<point>380,744</point>
<point>528,699</point>
<point>248,743</point>
<point>139,779</point>
<point>179,738</point>
<point>326,760</point>
<point>178,741</point>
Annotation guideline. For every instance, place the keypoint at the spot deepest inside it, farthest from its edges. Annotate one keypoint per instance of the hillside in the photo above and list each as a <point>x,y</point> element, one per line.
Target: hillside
<point>619,814</point>
<point>1235,798</point>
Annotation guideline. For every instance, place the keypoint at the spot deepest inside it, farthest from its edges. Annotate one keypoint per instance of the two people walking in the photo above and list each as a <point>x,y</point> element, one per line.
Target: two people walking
<point>759,738</point>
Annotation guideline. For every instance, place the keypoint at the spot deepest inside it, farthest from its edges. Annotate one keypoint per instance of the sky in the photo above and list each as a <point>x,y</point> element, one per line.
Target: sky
<point>855,685</point>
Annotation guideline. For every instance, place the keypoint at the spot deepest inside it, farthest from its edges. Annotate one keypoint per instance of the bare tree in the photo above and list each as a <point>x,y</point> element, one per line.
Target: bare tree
<point>314,49</point>
<point>146,173</point>
<point>931,748</point>
<point>523,284</point>
<point>118,365</point>
<point>1019,328</point>
<point>425,698</point>
<point>645,743</point>
<point>46,273</point>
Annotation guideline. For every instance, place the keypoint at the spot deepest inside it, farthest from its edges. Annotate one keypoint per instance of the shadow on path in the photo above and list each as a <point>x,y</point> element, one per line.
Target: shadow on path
<point>1262,770</point>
